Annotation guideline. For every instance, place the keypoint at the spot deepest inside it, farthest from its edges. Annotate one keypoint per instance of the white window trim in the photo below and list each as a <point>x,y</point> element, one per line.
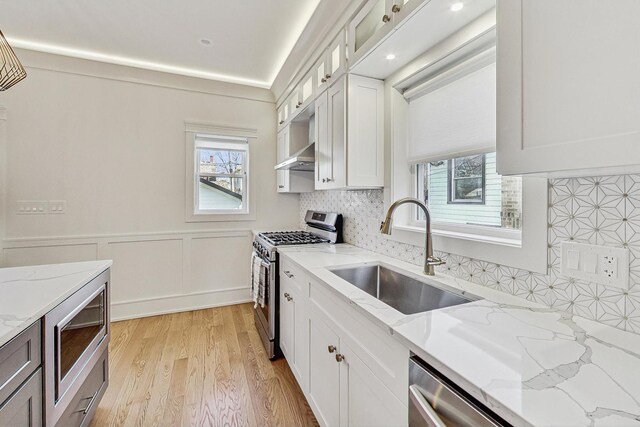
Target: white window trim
<point>192,130</point>
<point>498,246</point>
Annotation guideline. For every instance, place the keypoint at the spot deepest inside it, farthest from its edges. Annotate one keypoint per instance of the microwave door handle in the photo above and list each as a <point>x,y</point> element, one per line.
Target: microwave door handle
<point>425,409</point>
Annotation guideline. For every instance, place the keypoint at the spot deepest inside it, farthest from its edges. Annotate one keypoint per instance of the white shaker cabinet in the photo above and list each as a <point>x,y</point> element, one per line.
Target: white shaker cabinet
<point>568,85</point>
<point>349,119</point>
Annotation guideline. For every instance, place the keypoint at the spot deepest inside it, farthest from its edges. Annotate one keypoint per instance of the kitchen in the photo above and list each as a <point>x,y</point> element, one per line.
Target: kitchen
<point>361,213</point>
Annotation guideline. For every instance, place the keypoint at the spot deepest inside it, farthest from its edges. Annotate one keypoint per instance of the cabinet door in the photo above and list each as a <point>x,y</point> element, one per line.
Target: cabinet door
<point>300,341</point>
<point>568,85</point>
<point>324,372</point>
<point>337,102</point>
<point>365,400</point>
<point>282,177</point>
<point>402,9</point>
<point>337,58</point>
<point>365,148</point>
<point>287,321</point>
<point>24,407</point>
<point>306,91</point>
<point>322,151</point>
<point>369,27</point>
<point>321,71</point>
<point>280,117</point>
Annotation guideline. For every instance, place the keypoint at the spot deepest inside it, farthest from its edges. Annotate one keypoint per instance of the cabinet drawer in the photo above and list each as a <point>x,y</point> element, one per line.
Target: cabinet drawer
<point>19,358</point>
<point>296,275</point>
<point>24,408</point>
<point>379,351</point>
<point>83,405</point>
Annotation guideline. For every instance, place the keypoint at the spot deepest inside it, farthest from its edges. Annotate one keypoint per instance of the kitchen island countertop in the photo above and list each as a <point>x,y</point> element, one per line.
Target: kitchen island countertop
<point>28,293</point>
<point>531,364</point>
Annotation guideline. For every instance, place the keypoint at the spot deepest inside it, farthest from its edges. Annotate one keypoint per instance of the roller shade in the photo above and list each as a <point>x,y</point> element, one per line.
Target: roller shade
<point>454,113</point>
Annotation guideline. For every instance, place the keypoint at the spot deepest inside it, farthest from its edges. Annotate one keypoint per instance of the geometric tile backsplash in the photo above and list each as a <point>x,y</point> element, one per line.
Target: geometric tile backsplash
<point>597,210</point>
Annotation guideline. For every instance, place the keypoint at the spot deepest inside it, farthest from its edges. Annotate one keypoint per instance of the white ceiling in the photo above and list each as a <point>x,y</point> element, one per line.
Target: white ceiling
<point>251,38</point>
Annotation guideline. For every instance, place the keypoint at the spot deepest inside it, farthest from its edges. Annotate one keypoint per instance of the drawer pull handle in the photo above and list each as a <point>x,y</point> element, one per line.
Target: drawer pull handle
<point>339,357</point>
<point>288,274</point>
<point>86,409</point>
<point>332,348</point>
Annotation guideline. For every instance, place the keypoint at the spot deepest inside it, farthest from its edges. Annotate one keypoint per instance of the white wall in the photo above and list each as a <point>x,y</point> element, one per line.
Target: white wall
<point>110,141</point>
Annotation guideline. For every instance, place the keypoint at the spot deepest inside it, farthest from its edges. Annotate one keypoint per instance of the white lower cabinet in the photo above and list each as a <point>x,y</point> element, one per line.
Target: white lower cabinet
<point>367,401</point>
<point>352,372</point>
<point>324,373</point>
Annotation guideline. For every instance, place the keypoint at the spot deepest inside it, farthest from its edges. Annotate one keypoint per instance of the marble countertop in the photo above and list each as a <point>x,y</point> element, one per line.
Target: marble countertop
<point>530,364</point>
<point>28,293</point>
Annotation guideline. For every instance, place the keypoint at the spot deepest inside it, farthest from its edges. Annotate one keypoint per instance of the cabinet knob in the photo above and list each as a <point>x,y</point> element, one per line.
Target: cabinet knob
<point>329,180</point>
<point>288,297</point>
<point>323,80</point>
<point>395,8</point>
<point>339,357</point>
<point>327,76</point>
<point>280,186</point>
<point>386,18</point>
<point>324,180</point>
<point>281,122</point>
<point>331,348</point>
<point>288,274</point>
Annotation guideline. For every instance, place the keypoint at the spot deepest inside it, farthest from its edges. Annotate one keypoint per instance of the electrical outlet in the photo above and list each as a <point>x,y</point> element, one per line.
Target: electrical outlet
<point>609,265</point>
<point>599,264</point>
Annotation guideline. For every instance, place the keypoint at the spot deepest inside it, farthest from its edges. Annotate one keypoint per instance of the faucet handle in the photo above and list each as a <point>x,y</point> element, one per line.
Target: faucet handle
<point>435,261</point>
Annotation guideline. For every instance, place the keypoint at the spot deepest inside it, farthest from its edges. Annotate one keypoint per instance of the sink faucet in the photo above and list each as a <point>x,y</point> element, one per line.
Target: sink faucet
<point>429,260</point>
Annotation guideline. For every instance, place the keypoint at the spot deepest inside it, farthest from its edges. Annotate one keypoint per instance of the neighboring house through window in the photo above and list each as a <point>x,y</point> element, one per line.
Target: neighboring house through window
<point>218,180</point>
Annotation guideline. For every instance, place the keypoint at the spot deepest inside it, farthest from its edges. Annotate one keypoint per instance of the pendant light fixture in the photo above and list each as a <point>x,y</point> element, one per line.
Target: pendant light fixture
<point>11,70</point>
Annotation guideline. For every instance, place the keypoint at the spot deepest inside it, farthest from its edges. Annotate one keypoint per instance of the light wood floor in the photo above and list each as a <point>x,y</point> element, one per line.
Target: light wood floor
<point>204,368</point>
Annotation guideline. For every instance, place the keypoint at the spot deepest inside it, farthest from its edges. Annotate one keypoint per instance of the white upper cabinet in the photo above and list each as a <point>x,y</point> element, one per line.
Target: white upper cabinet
<point>306,90</point>
<point>350,156</point>
<point>375,21</point>
<point>332,63</point>
<point>568,85</point>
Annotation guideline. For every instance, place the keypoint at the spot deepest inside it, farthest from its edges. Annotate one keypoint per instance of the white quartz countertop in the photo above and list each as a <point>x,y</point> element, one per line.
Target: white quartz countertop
<point>530,364</point>
<point>28,293</point>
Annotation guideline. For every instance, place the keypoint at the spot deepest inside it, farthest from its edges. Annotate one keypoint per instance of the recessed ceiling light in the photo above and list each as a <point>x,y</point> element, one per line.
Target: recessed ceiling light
<point>456,7</point>
<point>391,56</point>
<point>206,42</point>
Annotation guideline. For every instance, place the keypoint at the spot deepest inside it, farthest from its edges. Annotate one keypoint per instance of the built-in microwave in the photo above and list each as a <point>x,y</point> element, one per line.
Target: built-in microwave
<point>76,334</point>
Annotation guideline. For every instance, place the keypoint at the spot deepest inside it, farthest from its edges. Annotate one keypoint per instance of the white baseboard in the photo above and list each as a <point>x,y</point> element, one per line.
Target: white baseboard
<point>178,303</point>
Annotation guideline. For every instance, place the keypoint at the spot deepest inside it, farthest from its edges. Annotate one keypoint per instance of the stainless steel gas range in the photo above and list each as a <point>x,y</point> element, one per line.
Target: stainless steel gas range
<point>322,227</point>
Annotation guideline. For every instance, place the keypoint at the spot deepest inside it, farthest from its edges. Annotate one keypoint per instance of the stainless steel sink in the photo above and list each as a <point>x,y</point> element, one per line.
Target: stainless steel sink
<point>405,294</point>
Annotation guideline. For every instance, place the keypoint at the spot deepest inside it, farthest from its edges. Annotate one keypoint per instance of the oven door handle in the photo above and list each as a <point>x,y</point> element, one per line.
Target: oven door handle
<point>426,410</point>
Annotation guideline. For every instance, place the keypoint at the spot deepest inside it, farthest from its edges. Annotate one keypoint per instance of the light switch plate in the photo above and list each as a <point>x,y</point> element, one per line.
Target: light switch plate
<point>32,207</point>
<point>57,206</point>
<point>599,264</point>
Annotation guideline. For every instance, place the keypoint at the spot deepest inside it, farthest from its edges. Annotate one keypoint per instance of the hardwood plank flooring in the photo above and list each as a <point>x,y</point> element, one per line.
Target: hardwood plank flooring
<point>198,368</point>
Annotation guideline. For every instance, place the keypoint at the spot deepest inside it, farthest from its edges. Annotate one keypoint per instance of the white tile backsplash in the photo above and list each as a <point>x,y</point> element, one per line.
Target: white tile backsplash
<point>597,210</point>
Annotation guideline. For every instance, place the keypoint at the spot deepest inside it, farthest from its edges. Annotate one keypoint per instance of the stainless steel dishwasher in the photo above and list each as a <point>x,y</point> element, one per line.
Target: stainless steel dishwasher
<point>435,402</point>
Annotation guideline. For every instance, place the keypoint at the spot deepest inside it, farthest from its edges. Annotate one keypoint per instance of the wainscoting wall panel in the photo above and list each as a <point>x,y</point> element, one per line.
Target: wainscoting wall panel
<point>154,273</point>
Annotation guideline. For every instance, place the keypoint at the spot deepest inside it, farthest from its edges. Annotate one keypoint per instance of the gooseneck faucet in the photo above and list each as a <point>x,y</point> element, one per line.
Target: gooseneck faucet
<point>429,260</point>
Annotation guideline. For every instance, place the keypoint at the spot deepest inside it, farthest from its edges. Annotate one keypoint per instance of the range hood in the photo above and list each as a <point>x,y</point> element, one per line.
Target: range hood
<point>303,160</point>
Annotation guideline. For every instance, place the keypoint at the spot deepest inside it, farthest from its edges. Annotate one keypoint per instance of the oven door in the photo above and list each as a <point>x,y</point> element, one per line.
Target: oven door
<point>267,314</point>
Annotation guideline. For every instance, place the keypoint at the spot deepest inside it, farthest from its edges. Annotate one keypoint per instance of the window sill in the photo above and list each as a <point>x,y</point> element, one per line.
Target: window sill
<point>223,216</point>
<point>475,237</point>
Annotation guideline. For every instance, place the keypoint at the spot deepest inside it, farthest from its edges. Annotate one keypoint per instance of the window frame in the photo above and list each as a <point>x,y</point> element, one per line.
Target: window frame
<point>451,180</point>
<point>525,248</point>
<point>198,136</point>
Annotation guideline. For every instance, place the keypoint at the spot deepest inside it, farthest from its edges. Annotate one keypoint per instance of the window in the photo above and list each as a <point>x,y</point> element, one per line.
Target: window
<point>466,179</point>
<point>468,190</point>
<point>221,172</point>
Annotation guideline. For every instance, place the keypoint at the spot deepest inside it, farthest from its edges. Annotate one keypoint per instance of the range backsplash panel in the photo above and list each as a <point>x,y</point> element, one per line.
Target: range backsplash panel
<point>596,210</point>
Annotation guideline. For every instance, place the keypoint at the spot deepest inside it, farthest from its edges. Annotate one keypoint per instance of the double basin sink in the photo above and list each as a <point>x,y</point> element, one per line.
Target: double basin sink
<point>403,293</point>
